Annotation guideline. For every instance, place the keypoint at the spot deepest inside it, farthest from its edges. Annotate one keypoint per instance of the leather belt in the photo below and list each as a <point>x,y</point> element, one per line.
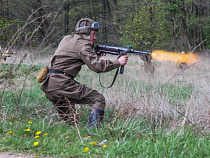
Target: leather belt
<point>59,72</point>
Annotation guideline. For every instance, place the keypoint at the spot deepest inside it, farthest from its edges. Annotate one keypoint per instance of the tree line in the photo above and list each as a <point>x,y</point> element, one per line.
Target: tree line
<point>178,25</point>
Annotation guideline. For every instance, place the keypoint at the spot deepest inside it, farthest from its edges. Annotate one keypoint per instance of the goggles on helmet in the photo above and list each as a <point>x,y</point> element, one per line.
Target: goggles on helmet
<point>94,26</point>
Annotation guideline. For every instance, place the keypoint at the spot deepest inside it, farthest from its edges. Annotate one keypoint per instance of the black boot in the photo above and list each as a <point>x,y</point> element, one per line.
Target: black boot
<point>96,116</point>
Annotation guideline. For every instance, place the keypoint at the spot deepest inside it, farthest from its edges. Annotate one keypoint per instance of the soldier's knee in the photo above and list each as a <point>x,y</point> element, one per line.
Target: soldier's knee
<point>100,103</point>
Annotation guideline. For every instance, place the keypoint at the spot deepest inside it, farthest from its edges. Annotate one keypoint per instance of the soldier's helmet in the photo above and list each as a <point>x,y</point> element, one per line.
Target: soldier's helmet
<point>85,25</point>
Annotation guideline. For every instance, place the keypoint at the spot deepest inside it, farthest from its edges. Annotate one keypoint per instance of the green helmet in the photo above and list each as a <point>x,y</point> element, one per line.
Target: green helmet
<point>85,25</point>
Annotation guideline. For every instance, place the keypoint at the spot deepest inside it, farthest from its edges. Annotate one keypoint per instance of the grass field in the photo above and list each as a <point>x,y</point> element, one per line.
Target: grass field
<point>165,114</point>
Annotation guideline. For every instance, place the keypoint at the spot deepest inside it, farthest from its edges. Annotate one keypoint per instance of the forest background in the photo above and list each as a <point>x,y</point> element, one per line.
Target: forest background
<point>144,24</point>
<point>164,114</point>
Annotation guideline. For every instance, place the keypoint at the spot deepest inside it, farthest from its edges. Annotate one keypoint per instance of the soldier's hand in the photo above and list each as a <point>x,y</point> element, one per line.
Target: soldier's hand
<point>123,60</point>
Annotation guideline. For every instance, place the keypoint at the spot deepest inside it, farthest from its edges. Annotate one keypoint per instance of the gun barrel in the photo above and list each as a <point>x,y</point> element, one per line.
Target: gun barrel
<point>140,52</point>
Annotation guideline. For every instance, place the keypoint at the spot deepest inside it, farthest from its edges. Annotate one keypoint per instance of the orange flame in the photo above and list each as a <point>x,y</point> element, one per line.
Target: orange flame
<point>162,55</point>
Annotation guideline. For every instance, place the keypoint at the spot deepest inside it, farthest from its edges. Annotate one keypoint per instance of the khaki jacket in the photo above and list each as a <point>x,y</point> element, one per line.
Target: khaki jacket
<point>73,52</point>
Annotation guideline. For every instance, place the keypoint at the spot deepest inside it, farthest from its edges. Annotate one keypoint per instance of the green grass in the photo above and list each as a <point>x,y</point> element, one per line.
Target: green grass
<point>123,135</point>
<point>130,138</point>
<point>178,93</point>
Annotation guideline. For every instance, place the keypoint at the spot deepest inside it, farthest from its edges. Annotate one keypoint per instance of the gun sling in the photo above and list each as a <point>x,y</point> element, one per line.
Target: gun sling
<point>116,73</point>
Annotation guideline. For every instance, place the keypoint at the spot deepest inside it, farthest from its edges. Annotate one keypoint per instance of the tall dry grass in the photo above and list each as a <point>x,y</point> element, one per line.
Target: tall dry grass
<point>138,93</point>
<point>170,95</point>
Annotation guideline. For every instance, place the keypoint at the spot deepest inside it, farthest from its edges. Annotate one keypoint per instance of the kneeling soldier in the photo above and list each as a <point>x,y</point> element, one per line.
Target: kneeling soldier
<point>74,51</point>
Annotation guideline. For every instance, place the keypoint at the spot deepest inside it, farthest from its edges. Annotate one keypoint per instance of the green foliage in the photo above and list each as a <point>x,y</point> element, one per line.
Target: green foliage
<point>206,31</point>
<point>127,138</point>
<point>148,29</point>
<point>7,29</point>
<point>15,98</point>
<point>190,20</point>
<point>178,93</point>
<point>124,136</point>
<point>145,24</point>
<point>12,71</point>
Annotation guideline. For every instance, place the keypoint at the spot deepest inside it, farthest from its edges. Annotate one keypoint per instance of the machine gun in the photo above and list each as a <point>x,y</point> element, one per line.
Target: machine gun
<point>102,50</point>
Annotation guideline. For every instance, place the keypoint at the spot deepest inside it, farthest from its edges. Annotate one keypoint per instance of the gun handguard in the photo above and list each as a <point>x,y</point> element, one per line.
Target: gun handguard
<point>103,49</point>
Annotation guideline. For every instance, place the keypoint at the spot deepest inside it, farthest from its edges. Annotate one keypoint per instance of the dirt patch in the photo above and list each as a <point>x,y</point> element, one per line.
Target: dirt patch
<point>14,155</point>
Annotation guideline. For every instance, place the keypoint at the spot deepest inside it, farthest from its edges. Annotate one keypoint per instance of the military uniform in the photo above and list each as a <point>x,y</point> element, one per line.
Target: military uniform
<point>61,89</point>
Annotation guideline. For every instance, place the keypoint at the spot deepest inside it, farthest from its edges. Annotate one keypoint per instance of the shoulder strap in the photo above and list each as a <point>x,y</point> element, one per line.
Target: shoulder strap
<point>116,73</point>
<point>115,76</point>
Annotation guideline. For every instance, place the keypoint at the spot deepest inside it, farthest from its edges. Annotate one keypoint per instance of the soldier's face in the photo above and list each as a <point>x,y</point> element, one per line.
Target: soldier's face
<point>92,35</point>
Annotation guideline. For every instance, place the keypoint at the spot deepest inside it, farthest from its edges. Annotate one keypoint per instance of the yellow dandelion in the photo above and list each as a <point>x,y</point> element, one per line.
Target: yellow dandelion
<point>10,132</point>
<point>44,134</point>
<point>28,130</point>
<point>37,137</point>
<point>30,122</point>
<point>86,149</point>
<point>93,143</point>
<point>36,143</point>
<point>104,146</point>
<point>38,132</point>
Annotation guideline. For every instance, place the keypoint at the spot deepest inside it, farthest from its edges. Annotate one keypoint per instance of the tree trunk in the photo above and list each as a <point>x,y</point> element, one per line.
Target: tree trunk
<point>66,17</point>
<point>1,9</point>
<point>104,31</point>
<point>40,19</point>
